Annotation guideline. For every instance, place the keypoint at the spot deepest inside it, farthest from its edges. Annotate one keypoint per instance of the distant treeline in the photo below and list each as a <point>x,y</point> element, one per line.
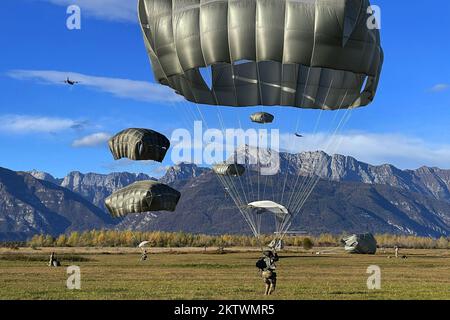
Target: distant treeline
<point>109,238</point>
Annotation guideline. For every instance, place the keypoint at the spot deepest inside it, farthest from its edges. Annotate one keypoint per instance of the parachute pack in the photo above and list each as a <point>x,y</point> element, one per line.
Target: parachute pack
<point>261,264</point>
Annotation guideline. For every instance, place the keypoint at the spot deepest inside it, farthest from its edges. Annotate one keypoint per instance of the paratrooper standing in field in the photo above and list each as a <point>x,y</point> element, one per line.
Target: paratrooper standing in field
<point>268,267</point>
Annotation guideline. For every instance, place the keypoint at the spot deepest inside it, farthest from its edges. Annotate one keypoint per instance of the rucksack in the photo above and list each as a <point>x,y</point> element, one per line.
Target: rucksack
<point>261,264</point>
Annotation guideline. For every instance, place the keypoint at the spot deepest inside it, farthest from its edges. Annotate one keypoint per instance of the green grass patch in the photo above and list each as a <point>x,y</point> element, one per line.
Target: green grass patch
<point>425,275</point>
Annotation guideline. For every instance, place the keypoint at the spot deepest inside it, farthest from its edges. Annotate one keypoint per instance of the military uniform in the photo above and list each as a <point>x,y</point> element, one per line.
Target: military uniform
<point>269,275</point>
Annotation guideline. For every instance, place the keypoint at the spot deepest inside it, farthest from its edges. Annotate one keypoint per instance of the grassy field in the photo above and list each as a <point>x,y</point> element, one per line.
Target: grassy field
<point>194,274</point>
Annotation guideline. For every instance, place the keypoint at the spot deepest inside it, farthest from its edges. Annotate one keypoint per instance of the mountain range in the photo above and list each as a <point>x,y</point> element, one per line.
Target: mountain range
<point>350,196</point>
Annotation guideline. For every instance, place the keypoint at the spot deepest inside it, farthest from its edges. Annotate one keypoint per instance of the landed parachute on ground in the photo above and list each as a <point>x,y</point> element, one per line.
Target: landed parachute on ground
<point>262,117</point>
<point>139,144</point>
<point>232,170</point>
<point>360,244</point>
<point>308,54</point>
<point>142,196</point>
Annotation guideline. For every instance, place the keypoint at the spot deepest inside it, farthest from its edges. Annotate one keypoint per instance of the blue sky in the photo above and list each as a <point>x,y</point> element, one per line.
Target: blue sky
<point>48,126</point>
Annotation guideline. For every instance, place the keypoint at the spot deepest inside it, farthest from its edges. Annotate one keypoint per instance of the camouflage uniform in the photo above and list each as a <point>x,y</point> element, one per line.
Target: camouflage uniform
<point>269,275</point>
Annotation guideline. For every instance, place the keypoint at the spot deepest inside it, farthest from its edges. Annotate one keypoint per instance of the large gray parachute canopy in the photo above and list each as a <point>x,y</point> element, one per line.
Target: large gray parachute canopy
<point>233,170</point>
<point>139,144</point>
<point>262,117</point>
<point>360,243</point>
<point>303,53</point>
<point>142,196</point>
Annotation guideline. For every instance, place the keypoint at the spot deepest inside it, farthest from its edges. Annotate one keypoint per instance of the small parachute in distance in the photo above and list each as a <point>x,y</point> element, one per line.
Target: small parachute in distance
<point>269,206</point>
<point>262,117</point>
<point>143,244</point>
<point>298,135</point>
<point>141,197</point>
<point>139,144</point>
<point>233,170</point>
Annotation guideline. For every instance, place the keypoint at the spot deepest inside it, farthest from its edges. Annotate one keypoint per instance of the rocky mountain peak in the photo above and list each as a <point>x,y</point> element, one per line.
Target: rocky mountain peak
<point>182,171</point>
<point>45,176</point>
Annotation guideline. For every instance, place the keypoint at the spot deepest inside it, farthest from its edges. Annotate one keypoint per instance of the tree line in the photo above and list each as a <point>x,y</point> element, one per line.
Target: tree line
<point>112,238</point>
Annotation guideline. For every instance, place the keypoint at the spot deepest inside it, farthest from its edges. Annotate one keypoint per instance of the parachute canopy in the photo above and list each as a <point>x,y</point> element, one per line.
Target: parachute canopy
<point>262,117</point>
<point>360,243</point>
<point>143,244</point>
<point>269,206</point>
<point>303,53</point>
<point>139,144</point>
<point>233,170</point>
<point>142,196</point>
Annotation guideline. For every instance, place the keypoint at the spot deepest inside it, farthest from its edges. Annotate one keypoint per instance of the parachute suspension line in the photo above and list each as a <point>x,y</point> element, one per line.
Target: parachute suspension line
<point>232,190</point>
<point>188,122</point>
<point>342,123</point>
<point>243,211</point>
<point>306,188</point>
<point>258,74</point>
<point>238,203</point>
<point>289,161</point>
<point>303,99</point>
<point>344,120</point>
<point>237,200</point>
<point>316,177</point>
<point>248,176</point>
<point>248,185</point>
<point>318,165</point>
<point>232,184</point>
<point>239,120</point>
<point>240,126</point>
<point>228,182</point>
<point>281,102</point>
<point>302,187</point>
<point>296,196</point>
<point>316,126</point>
<point>265,186</point>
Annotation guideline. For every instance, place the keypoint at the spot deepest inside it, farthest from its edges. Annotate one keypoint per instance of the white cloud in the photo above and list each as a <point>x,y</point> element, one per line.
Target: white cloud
<point>440,87</point>
<point>399,150</point>
<point>92,140</point>
<point>23,124</point>
<point>122,88</point>
<point>111,10</point>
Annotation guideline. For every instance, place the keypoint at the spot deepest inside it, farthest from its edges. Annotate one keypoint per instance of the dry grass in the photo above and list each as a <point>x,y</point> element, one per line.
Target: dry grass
<point>116,273</point>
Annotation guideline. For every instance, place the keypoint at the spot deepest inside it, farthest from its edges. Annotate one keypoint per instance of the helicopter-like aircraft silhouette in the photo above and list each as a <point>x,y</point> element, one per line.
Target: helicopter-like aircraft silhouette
<point>70,82</point>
